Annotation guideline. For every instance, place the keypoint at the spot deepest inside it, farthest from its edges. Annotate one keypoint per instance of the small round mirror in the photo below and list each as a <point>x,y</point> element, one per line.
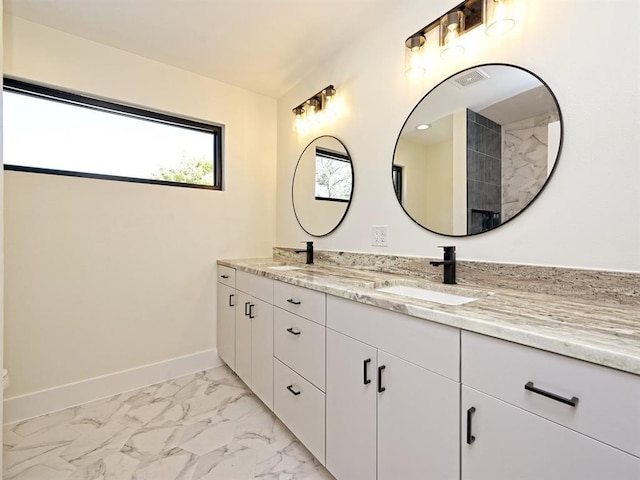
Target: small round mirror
<point>322,186</point>
<point>477,150</point>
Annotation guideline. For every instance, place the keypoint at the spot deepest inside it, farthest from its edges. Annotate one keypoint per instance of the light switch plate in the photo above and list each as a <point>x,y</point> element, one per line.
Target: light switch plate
<point>379,235</point>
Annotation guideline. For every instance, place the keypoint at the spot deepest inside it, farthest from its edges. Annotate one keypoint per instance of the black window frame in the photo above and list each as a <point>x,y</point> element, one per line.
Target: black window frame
<point>340,157</point>
<point>94,103</point>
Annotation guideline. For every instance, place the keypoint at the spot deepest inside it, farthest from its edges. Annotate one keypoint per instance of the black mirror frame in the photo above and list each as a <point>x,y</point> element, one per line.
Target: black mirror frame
<point>555,164</point>
<point>293,203</point>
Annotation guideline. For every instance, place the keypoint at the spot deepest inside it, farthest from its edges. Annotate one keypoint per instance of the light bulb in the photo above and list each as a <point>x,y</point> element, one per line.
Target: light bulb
<point>299,124</point>
<point>451,27</point>
<point>499,21</point>
<point>414,56</point>
<point>452,46</point>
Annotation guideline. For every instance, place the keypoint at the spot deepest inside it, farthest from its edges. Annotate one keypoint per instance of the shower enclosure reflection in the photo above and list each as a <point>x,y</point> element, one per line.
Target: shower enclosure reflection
<point>477,150</point>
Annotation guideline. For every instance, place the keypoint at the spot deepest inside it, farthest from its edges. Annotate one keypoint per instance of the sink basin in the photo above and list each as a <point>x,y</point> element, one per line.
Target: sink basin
<point>285,267</point>
<point>429,295</point>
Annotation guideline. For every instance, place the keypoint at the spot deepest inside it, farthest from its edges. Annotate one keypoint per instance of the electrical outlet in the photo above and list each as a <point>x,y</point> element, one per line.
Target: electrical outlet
<point>379,235</point>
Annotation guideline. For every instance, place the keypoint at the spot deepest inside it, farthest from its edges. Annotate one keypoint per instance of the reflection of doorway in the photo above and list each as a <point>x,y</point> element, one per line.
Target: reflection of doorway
<point>396,173</point>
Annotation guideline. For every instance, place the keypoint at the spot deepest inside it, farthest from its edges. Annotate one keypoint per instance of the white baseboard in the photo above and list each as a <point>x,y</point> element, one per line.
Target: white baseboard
<point>50,400</point>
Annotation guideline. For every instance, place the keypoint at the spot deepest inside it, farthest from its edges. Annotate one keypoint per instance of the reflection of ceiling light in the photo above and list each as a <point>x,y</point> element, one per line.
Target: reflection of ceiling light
<point>423,126</point>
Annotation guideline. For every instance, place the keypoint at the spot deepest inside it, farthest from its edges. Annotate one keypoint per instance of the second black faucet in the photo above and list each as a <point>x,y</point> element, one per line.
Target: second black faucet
<point>308,251</point>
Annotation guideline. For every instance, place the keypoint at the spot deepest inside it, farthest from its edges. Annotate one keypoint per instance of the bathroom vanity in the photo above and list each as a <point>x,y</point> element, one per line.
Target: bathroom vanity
<point>380,385</point>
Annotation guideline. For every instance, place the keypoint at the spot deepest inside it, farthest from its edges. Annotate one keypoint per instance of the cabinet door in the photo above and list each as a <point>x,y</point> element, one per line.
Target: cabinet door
<point>261,350</point>
<point>418,422</point>
<point>351,408</point>
<point>509,442</point>
<point>226,329</point>
<point>243,337</point>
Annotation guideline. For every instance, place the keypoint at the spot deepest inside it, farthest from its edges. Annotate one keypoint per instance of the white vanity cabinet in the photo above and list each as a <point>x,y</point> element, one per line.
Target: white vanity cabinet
<point>299,364</point>
<point>392,395</point>
<point>226,321</point>
<point>530,414</point>
<point>254,334</point>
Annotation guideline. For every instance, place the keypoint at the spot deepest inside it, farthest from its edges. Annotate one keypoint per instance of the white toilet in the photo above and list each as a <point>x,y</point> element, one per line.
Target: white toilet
<point>5,379</point>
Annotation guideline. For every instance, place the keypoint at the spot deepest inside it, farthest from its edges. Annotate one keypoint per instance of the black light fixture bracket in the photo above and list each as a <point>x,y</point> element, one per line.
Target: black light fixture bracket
<point>473,11</point>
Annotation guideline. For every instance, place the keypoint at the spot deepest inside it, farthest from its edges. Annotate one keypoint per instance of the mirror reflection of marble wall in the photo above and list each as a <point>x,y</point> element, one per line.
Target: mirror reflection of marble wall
<point>322,186</point>
<point>493,139</point>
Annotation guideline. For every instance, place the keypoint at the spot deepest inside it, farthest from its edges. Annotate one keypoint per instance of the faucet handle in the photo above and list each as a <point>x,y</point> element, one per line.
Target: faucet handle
<point>448,248</point>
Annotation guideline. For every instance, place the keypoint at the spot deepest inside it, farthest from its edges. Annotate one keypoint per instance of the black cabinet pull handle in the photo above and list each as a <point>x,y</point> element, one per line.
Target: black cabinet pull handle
<point>251,305</point>
<point>290,388</point>
<point>380,387</point>
<point>231,299</point>
<point>470,437</point>
<point>246,308</point>
<point>293,332</point>
<point>366,380</point>
<point>224,276</point>
<point>294,302</point>
<point>573,401</point>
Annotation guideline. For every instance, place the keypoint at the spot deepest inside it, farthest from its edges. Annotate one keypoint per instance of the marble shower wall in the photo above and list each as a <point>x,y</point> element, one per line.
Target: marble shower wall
<point>524,162</point>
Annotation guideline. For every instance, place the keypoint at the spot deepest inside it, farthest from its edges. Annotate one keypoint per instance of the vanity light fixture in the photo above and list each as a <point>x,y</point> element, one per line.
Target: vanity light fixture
<point>450,27</point>
<point>311,112</point>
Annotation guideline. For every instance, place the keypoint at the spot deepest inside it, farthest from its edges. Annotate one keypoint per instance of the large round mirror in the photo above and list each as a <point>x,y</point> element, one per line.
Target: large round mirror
<point>477,149</point>
<point>322,186</point>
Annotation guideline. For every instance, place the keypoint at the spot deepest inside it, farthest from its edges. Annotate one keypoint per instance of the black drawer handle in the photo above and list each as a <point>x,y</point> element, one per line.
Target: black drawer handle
<point>380,387</point>
<point>246,308</point>
<point>251,305</point>
<point>470,437</point>
<point>224,276</point>
<point>573,401</point>
<point>367,380</point>
<point>290,388</point>
<point>231,304</point>
<point>293,332</point>
<point>294,302</point>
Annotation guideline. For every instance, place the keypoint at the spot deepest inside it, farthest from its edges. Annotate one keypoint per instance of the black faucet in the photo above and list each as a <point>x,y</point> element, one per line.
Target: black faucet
<point>308,251</point>
<point>449,263</point>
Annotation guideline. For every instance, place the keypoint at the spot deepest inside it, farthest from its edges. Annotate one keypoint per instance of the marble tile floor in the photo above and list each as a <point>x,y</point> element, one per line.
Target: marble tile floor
<point>204,426</point>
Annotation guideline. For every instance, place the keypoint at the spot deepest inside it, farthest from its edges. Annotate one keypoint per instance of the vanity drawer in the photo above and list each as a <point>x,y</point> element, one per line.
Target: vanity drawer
<point>227,275</point>
<point>300,344</point>
<point>300,406</point>
<point>608,400</point>
<point>255,285</point>
<point>307,303</point>
<point>429,345</point>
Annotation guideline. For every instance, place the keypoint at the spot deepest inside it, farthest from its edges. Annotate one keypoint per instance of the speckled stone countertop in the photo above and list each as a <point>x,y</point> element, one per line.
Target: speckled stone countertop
<point>602,326</point>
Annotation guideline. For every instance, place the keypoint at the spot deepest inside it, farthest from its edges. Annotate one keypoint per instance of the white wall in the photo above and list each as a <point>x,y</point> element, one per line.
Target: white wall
<point>588,214</point>
<point>1,242</point>
<point>104,276</point>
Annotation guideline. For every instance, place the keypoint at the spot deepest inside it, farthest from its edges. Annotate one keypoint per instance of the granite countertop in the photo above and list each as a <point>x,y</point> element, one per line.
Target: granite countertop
<point>596,330</point>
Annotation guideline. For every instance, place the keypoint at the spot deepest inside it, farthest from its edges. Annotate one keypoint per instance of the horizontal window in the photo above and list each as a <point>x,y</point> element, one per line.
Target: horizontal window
<point>333,176</point>
<point>56,132</point>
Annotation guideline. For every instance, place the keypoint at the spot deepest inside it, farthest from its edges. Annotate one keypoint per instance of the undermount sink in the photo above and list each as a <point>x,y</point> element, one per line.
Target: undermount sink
<point>285,267</point>
<point>429,295</point>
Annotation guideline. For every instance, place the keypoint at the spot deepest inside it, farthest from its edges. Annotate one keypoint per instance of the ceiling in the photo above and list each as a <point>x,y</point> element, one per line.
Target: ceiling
<point>265,46</point>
